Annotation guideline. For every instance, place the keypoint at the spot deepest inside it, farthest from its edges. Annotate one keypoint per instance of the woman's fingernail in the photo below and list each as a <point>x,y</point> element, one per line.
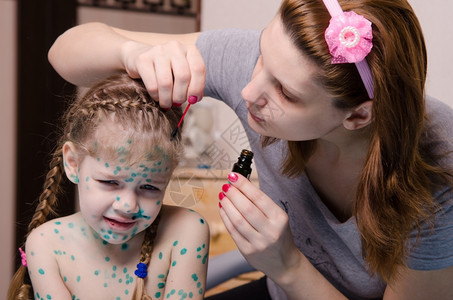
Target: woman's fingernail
<point>192,99</point>
<point>221,196</point>
<point>220,205</point>
<point>226,187</point>
<point>166,108</point>
<point>177,104</point>
<point>233,177</point>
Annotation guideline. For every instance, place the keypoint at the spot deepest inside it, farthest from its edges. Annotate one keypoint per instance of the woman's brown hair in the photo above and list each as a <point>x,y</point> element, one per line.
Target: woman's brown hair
<point>125,101</point>
<point>394,195</point>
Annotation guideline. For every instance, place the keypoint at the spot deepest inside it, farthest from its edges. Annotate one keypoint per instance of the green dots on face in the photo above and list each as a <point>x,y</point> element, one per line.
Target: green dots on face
<point>160,285</point>
<point>107,259</point>
<point>41,271</point>
<point>157,295</point>
<point>125,270</point>
<point>160,255</point>
<point>175,243</point>
<point>118,198</point>
<point>96,272</point>
<point>75,178</point>
<point>56,231</point>
<point>70,225</point>
<point>194,277</point>
<point>183,251</point>
<point>124,246</point>
<point>72,257</point>
<point>202,221</point>
<point>173,263</point>
<point>78,278</point>
<point>106,165</point>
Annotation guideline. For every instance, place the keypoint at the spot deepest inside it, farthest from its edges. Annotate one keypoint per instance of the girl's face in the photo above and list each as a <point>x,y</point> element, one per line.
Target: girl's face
<point>119,200</point>
<point>283,97</point>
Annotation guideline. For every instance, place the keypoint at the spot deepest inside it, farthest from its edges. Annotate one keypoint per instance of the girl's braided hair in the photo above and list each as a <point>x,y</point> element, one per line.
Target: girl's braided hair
<point>126,102</point>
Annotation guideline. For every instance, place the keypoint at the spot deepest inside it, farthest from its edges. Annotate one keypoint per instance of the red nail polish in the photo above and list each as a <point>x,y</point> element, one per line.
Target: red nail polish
<point>177,104</point>
<point>220,205</point>
<point>232,177</point>
<point>221,196</point>
<point>192,99</point>
<point>226,187</point>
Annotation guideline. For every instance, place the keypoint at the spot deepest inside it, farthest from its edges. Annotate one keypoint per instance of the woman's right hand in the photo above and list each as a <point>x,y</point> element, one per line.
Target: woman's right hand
<point>172,72</point>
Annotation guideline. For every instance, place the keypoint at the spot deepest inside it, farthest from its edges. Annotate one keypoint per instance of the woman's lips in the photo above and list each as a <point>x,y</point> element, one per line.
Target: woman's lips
<point>255,118</point>
<point>119,225</point>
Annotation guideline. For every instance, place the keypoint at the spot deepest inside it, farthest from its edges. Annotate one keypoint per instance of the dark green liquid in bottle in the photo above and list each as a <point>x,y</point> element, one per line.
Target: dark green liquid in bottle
<point>243,166</point>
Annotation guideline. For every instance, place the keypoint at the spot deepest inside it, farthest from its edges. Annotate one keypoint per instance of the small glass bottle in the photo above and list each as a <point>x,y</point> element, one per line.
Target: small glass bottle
<point>243,166</point>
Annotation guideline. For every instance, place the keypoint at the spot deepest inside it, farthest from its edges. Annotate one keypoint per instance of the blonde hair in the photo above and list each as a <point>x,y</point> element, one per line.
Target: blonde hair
<point>125,101</point>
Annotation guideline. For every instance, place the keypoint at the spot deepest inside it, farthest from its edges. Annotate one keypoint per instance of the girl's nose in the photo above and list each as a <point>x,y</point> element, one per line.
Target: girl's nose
<point>126,203</point>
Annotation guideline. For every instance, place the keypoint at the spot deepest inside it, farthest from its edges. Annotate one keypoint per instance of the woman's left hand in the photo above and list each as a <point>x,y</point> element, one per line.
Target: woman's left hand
<point>259,228</point>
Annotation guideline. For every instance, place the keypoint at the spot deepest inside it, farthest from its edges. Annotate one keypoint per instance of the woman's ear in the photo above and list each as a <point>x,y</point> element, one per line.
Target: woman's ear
<point>71,162</point>
<point>360,117</point>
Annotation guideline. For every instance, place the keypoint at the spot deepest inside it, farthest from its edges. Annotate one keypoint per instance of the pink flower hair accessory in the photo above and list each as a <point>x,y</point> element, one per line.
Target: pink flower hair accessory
<point>349,38</point>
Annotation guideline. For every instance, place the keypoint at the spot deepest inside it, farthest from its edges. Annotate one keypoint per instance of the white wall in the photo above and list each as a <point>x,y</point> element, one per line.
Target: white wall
<point>436,18</point>
<point>7,137</point>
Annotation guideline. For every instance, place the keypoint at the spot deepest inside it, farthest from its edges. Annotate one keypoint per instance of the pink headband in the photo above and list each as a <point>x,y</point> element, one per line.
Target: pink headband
<point>349,37</point>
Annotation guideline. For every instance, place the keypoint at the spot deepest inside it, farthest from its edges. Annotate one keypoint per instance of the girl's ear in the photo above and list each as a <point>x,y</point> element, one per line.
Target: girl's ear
<point>71,162</point>
<point>360,117</point>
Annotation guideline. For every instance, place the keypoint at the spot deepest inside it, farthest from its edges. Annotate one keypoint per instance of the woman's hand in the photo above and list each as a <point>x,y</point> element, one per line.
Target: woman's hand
<point>172,72</point>
<point>259,227</point>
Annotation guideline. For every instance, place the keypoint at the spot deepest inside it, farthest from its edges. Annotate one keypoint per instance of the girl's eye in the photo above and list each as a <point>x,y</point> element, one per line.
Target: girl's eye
<point>149,187</point>
<point>108,182</point>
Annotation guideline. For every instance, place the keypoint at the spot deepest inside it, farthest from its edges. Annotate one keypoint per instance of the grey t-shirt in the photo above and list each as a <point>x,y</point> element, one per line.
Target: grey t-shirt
<point>334,248</point>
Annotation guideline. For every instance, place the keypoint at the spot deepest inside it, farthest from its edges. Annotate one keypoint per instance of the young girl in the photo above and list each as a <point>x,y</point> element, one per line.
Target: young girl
<point>336,89</point>
<point>124,243</point>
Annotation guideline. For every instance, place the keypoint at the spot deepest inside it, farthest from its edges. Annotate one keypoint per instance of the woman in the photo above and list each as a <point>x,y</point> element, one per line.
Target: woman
<point>365,207</point>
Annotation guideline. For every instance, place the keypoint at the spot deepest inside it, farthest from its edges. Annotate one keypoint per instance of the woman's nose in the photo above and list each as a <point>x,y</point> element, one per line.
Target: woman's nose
<point>255,91</point>
<point>126,202</point>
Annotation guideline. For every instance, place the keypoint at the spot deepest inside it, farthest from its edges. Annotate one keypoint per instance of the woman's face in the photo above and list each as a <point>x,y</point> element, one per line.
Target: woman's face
<point>283,98</point>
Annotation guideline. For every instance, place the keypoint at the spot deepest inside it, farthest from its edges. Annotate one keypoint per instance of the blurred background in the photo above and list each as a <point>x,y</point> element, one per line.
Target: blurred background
<point>32,95</point>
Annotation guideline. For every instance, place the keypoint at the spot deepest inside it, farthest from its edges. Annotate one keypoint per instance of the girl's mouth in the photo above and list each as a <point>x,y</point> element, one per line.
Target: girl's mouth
<point>119,225</point>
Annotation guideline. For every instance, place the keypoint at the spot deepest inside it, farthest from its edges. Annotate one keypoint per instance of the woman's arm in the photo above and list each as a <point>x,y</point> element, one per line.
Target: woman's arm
<point>261,231</point>
<point>412,284</point>
<point>170,65</point>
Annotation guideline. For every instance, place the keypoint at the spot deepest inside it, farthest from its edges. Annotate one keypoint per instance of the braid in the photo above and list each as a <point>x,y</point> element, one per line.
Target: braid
<point>145,257</point>
<point>19,289</point>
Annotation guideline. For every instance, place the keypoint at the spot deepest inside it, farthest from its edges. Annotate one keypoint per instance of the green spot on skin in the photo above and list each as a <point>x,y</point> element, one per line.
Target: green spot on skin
<point>48,296</point>
<point>161,285</point>
<point>78,278</point>
<point>96,272</point>
<point>126,292</point>
<point>124,246</point>
<point>71,225</point>
<point>183,251</point>
<point>158,203</point>
<point>201,221</point>
<point>56,230</point>
<point>125,270</point>
<point>114,268</point>
<point>72,257</point>
<point>173,263</point>
<point>129,180</point>
<point>157,295</point>
<point>75,178</point>
<point>194,277</point>
<point>107,258</point>
<point>87,179</point>
<point>105,284</point>
<point>175,243</point>
<point>41,271</point>
<point>161,276</point>
<point>58,223</point>
<point>160,255</point>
